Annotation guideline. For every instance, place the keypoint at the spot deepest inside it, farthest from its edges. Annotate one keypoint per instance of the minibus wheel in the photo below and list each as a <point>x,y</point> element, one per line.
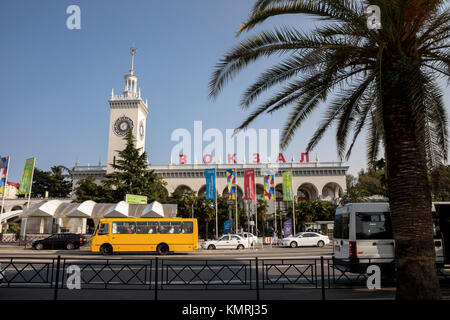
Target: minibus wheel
<point>106,250</point>
<point>162,249</point>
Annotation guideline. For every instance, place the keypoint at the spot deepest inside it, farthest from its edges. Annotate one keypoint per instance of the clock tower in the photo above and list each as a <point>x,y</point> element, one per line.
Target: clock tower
<point>128,110</point>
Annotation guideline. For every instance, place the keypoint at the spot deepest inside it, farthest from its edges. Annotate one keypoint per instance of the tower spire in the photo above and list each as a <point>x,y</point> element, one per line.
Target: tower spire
<point>133,53</point>
<point>130,79</point>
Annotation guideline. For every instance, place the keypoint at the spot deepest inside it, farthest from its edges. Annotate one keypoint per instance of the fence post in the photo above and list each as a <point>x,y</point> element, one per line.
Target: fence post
<point>322,273</point>
<point>156,278</point>
<point>257,279</point>
<point>58,264</point>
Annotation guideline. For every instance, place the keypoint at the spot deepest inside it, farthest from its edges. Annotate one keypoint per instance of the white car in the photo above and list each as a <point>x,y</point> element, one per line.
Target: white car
<point>304,239</point>
<point>250,237</point>
<point>232,241</point>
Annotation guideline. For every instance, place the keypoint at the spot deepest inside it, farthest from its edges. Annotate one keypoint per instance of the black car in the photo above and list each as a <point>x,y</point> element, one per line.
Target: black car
<point>67,241</point>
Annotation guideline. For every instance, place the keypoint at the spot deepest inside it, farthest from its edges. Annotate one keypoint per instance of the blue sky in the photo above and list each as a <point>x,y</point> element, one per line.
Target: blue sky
<point>56,82</point>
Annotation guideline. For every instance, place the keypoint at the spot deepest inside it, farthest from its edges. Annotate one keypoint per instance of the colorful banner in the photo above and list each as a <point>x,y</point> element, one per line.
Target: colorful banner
<point>269,181</point>
<point>249,184</point>
<point>231,184</point>
<point>25,182</point>
<point>287,186</point>
<point>135,199</point>
<point>287,228</point>
<point>4,162</point>
<point>227,226</point>
<point>210,175</point>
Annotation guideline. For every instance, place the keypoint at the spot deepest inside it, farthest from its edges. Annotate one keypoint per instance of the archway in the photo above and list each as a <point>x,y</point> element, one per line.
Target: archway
<point>307,191</point>
<point>181,189</point>
<point>332,191</point>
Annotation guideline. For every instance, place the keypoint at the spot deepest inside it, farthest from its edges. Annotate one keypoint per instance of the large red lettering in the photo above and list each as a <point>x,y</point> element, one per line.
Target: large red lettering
<point>183,159</point>
<point>231,158</point>
<point>256,158</point>
<point>207,158</point>
<point>304,155</point>
<point>281,158</point>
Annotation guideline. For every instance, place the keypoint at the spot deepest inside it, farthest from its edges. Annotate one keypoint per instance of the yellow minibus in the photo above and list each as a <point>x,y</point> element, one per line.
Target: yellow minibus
<point>115,235</point>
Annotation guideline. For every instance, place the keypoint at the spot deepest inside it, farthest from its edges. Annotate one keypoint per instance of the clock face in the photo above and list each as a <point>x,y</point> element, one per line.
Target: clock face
<point>141,129</point>
<point>122,125</point>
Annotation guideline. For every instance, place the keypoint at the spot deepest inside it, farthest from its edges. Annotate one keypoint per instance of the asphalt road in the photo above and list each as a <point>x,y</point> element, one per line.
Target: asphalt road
<point>266,252</point>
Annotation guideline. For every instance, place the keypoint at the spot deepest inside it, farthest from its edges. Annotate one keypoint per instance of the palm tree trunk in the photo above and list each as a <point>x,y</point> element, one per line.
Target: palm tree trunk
<point>409,194</point>
<point>206,230</point>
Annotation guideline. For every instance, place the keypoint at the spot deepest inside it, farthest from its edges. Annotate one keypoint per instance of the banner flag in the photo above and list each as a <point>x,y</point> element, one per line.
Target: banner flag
<point>287,228</point>
<point>231,184</point>
<point>269,180</point>
<point>25,182</point>
<point>287,186</point>
<point>4,162</point>
<point>249,184</point>
<point>227,226</point>
<point>210,175</point>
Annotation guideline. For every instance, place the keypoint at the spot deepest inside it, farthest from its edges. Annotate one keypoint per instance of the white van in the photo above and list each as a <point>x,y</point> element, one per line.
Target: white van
<point>363,234</point>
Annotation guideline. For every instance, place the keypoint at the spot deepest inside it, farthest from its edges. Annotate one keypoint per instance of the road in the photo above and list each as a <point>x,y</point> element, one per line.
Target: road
<point>264,253</point>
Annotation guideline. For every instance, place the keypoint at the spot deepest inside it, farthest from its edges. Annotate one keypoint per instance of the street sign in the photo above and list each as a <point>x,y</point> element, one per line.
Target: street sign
<point>135,199</point>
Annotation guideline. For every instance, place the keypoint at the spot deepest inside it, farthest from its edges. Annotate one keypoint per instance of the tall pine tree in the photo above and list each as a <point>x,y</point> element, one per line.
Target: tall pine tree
<point>131,175</point>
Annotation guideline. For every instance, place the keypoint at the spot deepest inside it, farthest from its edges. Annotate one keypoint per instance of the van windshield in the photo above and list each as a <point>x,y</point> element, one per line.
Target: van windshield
<point>341,222</point>
<point>373,225</point>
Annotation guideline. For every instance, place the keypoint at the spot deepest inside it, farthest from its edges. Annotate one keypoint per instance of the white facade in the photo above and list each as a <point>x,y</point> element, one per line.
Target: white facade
<point>311,180</point>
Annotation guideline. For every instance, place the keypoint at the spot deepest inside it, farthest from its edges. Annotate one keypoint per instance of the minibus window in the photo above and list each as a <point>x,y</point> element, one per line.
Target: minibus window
<point>103,229</point>
<point>373,225</point>
<point>170,227</point>
<point>341,226</point>
<point>124,227</point>
<point>187,227</point>
<point>146,227</point>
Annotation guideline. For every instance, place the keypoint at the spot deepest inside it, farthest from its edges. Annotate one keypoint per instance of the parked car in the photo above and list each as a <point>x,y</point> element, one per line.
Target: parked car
<point>232,241</point>
<point>1,273</point>
<point>67,241</point>
<point>304,239</point>
<point>250,237</point>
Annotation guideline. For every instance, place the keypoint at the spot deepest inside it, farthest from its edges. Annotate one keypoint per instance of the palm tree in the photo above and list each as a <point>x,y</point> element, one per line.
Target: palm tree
<point>381,80</point>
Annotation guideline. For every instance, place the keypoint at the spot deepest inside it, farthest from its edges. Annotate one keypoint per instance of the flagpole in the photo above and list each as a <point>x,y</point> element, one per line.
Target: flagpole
<point>236,195</point>
<point>256,204</point>
<point>4,190</point>
<point>217,219</point>
<point>293,205</point>
<point>31,184</point>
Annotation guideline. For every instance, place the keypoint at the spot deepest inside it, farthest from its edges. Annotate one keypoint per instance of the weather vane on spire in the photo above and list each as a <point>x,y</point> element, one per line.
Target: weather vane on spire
<point>132,52</point>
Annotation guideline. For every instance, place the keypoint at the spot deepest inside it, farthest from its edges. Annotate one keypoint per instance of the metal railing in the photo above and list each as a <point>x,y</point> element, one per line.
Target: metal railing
<point>164,274</point>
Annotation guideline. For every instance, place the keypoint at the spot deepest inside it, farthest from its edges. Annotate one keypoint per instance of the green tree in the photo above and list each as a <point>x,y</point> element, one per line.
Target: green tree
<point>311,211</point>
<point>205,213</point>
<point>87,189</point>
<point>383,80</point>
<point>440,182</point>
<point>60,182</point>
<point>41,183</point>
<point>263,208</point>
<point>131,175</point>
<point>57,182</point>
